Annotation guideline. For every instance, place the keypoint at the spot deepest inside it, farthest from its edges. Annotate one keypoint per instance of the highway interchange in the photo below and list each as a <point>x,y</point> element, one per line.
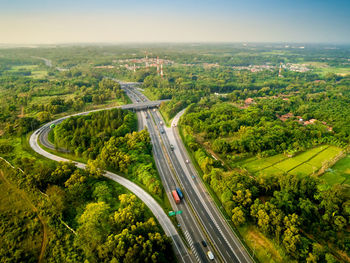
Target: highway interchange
<point>201,219</point>
<point>163,219</point>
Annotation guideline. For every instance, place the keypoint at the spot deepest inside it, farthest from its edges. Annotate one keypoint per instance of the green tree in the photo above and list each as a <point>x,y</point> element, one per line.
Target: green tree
<point>238,217</point>
<point>94,227</point>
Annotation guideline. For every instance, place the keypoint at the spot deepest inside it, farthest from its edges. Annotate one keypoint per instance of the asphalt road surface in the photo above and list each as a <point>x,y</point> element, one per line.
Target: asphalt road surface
<point>186,221</point>
<point>226,245</point>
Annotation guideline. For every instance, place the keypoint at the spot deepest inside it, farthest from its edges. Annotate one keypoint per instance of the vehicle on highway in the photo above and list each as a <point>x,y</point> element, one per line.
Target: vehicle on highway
<point>179,193</point>
<point>154,109</point>
<point>171,147</point>
<point>162,130</point>
<point>161,123</point>
<point>187,161</point>
<point>52,126</point>
<point>146,116</point>
<point>210,255</point>
<point>176,197</point>
<point>204,243</point>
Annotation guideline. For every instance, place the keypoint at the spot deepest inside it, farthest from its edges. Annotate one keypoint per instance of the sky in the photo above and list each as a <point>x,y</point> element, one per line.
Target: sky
<point>124,21</point>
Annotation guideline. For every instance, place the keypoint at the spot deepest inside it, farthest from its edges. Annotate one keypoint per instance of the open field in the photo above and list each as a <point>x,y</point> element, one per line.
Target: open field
<point>34,69</point>
<point>338,71</point>
<point>323,68</point>
<point>338,173</point>
<point>302,164</point>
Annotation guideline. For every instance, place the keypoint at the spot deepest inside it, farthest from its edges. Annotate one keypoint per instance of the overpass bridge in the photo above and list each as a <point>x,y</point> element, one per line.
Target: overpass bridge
<point>143,105</point>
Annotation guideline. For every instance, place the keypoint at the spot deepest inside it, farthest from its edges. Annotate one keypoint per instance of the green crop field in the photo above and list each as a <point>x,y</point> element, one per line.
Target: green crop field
<point>310,153</point>
<point>303,169</point>
<point>272,170</point>
<point>302,164</point>
<point>287,164</point>
<point>36,72</point>
<point>324,156</point>
<point>339,173</point>
<point>255,164</point>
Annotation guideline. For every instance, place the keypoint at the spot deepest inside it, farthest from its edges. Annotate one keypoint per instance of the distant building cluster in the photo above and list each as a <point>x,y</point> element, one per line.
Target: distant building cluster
<point>138,63</point>
<point>295,67</point>
<point>151,62</point>
<point>287,66</point>
<point>255,68</point>
<point>290,115</point>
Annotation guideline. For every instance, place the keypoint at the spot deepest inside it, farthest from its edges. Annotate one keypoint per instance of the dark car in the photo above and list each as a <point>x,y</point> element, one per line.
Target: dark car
<point>204,243</point>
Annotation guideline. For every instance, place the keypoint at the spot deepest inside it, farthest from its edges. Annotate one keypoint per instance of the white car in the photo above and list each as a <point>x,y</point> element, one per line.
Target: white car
<point>187,161</point>
<point>210,255</point>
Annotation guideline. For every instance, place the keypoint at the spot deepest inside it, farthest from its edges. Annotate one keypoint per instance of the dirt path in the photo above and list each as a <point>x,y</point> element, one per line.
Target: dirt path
<point>25,197</point>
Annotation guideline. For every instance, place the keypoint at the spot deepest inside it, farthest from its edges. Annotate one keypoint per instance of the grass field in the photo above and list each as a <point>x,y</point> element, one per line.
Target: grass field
<point>323,68</point>
<point>338,71</point>
<point>302,164</point>
<point>36,72</point>
<point>338,173</point>
<point>265,249</point>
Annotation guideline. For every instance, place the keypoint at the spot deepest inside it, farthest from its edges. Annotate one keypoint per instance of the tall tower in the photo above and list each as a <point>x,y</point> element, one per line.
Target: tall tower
<point>280,71</point>
<point>134,68</point>
<point>157,65</point>
<point>146,62</point>
<point>161,70</point>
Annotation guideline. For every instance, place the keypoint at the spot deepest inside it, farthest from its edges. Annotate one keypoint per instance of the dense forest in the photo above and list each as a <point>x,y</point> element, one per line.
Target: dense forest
<point>107,139</point>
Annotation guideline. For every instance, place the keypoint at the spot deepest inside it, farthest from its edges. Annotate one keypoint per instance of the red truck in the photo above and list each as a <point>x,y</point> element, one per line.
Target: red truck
<point>176,197</point>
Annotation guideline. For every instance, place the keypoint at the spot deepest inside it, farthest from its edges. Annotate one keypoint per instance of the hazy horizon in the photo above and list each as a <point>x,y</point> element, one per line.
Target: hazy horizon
<point>116,22</point>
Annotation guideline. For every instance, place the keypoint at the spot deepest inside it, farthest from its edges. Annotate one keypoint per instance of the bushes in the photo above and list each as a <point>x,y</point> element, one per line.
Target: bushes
<point>85,135</point>
<point>107,138</point>
<point>132,155</point>
<point>252,130</point>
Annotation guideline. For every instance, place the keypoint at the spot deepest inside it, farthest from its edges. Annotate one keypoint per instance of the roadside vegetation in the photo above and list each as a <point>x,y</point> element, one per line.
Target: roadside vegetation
<point>268,127</point>
<point>108,140</point>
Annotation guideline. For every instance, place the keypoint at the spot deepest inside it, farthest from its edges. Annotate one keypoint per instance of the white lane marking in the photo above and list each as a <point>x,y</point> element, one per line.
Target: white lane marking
<point>189,240</point>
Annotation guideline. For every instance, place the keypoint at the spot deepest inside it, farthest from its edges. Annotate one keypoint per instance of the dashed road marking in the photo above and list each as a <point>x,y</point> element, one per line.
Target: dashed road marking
<point>190,242</point>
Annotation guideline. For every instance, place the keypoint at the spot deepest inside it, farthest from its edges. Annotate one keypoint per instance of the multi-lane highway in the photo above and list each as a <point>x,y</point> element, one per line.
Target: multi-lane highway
<point>187,221</point>
<point>180,249</point>
<point>202,216</point>
<point>200,220</point>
